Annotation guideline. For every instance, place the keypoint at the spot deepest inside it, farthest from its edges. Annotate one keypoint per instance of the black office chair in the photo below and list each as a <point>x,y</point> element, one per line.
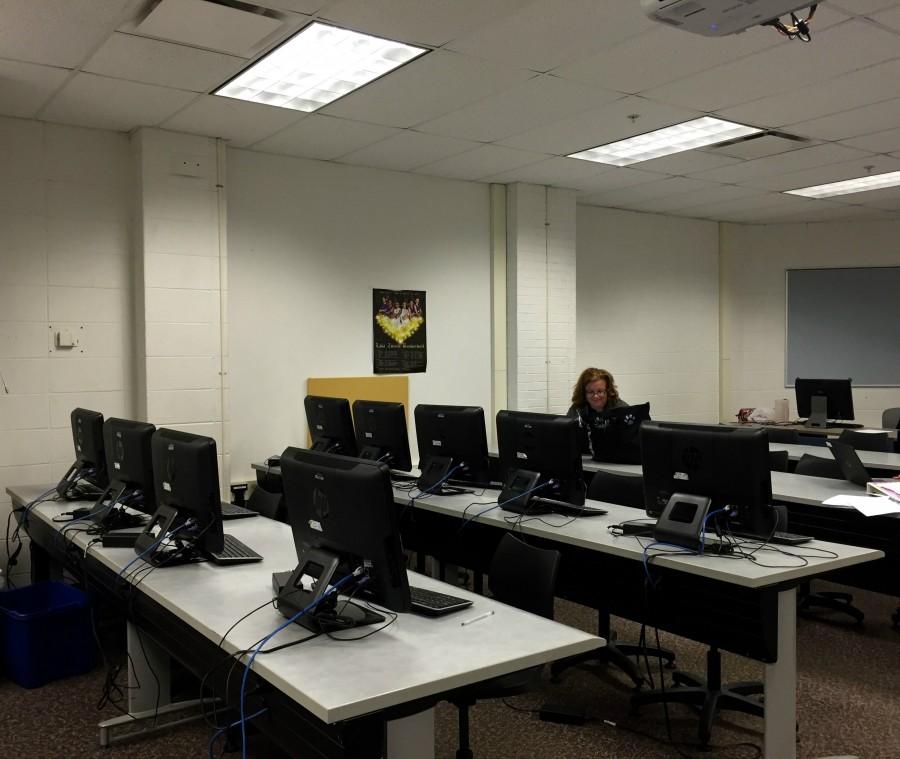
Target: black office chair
<point>867,441</point>
<point>779,435</point>
<point>890,419</point>
<point>778,461</point>
<point>817,466</point>
<point>627,490</point>
<point>525,577</point>
<point>807,599</point>
<point>267,504</point>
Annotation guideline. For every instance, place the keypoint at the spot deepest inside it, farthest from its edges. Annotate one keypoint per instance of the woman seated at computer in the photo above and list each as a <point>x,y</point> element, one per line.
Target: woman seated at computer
<point>594,393</point>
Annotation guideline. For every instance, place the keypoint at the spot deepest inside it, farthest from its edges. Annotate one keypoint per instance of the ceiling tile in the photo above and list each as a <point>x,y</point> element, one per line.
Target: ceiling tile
<point>887,141</point>
<point>887,199</point>
<point>556,172</point>
<point>850,91</point>
<point>858,121</point>
<point>426,88</point>
<point>890,18</point>
<point>55,33</point>
<point>614,178</point>
<point>759,146</point>
<point>296,6</point>
<point>795,160</point>
<point>484,161</point>
<point>323,137</point>
<point>25,87</point>
<point>790,66</point>
<point>407,150</point>
<point>716,193</point>
<point>127,56</point>
<point>424,22</point>
<point>239,121</point>
<point>599,126</point>
<point>647,191</point>
<point>539,101</point>
<point>688,162</point>
<point>208,25</point>
<point>97,101</point>
<point>834,172</point>
<point>841,213</point>
<point>862,7</point>
<point>629,67</point>
<point>545,35</point>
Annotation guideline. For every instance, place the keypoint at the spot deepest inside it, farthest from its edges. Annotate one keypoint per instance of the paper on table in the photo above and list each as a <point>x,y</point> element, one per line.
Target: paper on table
<point>870,506</point>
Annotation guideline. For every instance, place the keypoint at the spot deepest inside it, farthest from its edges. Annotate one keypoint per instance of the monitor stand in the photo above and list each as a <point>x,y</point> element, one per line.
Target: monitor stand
<point>434,472</point>
<point>308,584</point>
<point>818,411</point>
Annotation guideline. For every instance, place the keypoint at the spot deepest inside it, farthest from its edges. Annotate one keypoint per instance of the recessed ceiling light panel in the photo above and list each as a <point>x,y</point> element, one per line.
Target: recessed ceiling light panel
<point>689,135</point>
<point>316,66</point>
<point>849,186</point>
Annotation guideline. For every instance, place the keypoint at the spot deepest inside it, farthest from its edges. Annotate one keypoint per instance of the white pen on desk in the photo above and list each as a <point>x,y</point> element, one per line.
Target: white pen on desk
<point>475,619</point>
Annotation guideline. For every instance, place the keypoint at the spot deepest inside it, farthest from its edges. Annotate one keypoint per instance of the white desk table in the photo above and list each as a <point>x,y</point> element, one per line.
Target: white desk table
<point>591,534</point>
<point>871,459</point>
<point>414,659</point>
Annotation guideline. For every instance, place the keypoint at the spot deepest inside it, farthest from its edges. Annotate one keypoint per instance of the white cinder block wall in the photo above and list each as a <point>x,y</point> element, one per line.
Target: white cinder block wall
<point>182,284</point>
<point>754,261</point>
<point>541,295</point>
<point>308,241</point>
<point>65,263</point>
<point>648,308</point>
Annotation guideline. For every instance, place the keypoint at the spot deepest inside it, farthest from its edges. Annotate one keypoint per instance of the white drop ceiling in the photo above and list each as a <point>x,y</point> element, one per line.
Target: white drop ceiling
<point>510,89</point>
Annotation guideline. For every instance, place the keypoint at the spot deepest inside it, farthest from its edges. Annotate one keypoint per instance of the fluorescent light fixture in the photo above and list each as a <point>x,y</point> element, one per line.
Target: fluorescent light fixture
<point>316,66</point>
<point>689,135</point>
<point>848,186</point>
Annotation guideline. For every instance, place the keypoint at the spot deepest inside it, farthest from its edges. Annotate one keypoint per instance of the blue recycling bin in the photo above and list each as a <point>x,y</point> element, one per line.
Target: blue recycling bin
<point>45,633</point>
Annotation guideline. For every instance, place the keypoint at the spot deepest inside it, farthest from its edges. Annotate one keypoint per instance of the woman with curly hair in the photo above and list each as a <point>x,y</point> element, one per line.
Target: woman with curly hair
<point>594,392</point>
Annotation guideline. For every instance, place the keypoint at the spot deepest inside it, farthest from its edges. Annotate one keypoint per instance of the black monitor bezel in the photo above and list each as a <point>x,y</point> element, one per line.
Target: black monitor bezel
<point>555,456</point>
<point>389,442</point>
<point>457,433</point>
<point>335,432</point>
<point>837,392</point>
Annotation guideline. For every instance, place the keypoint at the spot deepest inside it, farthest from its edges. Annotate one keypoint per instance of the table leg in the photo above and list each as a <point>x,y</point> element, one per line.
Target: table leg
<point>150,707</point>
<point>780,739</point>
<point>411,737</point>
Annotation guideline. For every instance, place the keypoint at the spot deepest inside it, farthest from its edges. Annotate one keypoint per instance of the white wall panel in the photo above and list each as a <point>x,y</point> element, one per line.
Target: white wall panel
<point>648,309</point>
<point>307,243</point>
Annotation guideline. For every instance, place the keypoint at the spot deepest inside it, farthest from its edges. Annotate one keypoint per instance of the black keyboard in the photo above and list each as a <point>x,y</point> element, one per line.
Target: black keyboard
<point>779,537</point>
<point>234,552</point>
<point>232,511</point>
<point>432,603</point>
<point>567,509</point>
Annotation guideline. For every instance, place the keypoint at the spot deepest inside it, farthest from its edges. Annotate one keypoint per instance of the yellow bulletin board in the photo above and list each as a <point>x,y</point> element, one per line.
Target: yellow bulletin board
<point>383,388</point>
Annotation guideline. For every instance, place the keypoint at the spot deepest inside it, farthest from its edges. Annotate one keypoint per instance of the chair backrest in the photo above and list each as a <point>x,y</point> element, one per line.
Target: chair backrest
<point>778,435</point>
<point>524,576</point>
<point>867,441</point>
<point>778,461</point>
<point>614,487</point>
<point>815,466</point>
<point>890,418</point>
<point>267,504</point>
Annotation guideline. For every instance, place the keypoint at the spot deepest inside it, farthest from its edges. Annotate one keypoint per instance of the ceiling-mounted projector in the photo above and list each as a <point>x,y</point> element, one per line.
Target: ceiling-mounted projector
<point>717,18</point>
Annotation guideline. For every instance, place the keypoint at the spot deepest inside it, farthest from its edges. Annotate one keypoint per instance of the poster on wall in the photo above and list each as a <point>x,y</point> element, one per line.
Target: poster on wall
<point>399,331</point>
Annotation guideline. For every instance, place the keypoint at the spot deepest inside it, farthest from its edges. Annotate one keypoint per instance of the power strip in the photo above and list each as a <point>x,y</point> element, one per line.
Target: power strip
<point>120,539</point>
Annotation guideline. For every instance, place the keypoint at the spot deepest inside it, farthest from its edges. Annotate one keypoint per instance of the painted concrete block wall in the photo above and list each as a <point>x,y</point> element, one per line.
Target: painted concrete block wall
<point>308,241</point>
<point>182,286</point>
<point>540,296</point>
<point>65,263</point>
<point>754,262</point>
<point>648,309</point>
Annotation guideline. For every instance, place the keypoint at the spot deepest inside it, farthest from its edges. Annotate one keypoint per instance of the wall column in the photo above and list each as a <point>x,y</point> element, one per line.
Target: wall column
<point>540,297</point>
<point>181,286</point>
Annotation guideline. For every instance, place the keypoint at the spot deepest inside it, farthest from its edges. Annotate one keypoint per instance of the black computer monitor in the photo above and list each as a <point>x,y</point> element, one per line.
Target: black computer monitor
<point>330,424</point>
<point>87,475</point>
<point>381,433</point>
<point>728,465</point>
<point>546,444</point>
<point>341,511</point>
<point>186,482</point>
<point>821,399</point>
<point>452,444</point>
<point>129,463</point>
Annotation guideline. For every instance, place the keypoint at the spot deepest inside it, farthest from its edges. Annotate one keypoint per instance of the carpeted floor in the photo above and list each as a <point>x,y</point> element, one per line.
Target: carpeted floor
<point>848,703</point>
